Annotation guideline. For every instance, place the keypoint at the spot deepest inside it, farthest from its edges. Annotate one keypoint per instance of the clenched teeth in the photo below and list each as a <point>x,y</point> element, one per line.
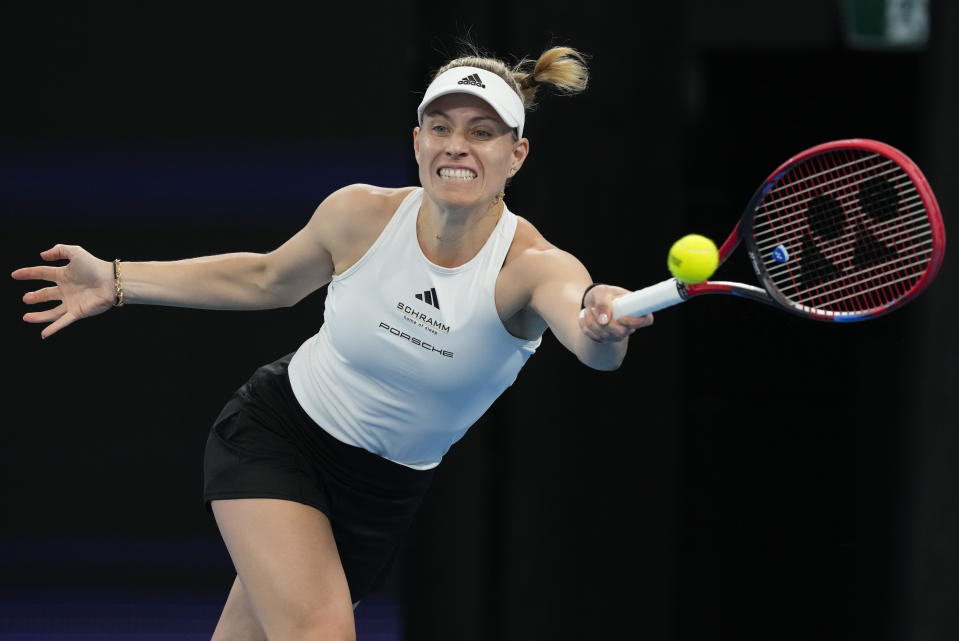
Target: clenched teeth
<point>457,174</point>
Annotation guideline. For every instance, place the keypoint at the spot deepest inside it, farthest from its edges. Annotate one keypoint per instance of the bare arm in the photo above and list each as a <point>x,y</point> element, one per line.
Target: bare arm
<point>597,339</point>
<point>238,281</point>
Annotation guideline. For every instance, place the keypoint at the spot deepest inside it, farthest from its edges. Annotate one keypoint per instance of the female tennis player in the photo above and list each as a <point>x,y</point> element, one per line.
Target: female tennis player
<point>438,295</point>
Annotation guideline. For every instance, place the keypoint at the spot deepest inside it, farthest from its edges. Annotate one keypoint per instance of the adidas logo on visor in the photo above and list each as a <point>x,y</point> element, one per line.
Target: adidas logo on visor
<point>472,79</point>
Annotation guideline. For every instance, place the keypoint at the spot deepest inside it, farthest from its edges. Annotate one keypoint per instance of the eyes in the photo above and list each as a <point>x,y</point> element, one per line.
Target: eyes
<point>479,132</point>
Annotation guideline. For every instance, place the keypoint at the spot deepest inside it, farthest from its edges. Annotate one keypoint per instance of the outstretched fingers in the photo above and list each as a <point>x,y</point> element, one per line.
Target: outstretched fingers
<point>45,272</point>
<point>81,285</point>
<point>46,315</point>
<point>37,273</point>
<point>58,317</point>
<point>57,325</point>
<point>57,252</point>
<point>44,295</point>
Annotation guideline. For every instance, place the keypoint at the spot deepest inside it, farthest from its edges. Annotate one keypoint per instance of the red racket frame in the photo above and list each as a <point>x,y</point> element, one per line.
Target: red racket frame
<point>744,227</point>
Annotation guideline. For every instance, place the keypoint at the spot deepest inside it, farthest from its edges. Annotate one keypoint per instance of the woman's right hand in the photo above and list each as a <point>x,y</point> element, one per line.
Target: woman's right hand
<point>84,287</point>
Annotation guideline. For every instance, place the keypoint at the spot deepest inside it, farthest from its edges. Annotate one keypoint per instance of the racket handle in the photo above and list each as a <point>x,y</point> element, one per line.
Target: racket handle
<point>649,299</point>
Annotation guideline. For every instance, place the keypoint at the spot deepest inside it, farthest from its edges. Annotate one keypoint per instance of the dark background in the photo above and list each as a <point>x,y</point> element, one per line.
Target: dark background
<point>744,475</point>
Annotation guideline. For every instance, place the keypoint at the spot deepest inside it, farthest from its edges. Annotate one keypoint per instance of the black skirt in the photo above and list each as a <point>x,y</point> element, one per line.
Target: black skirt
<point>263,445</point>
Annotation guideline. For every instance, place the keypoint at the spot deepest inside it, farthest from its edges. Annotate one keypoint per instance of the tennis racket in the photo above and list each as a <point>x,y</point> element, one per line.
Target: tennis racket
<point>845,231</point>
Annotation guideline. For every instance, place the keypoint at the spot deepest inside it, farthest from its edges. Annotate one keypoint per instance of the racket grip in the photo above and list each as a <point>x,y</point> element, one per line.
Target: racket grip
<point>649,299</point>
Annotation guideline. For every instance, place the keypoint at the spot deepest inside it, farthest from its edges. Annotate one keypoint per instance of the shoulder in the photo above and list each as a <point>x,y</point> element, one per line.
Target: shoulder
<point>350,219</point>
<point>532,254</point>
<point>357,209</point>
<point>360,201</point>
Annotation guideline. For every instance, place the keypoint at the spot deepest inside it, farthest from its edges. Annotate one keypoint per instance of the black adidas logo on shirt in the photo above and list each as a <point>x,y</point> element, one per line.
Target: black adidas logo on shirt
<point>472,79</point>
<point>429,297</point>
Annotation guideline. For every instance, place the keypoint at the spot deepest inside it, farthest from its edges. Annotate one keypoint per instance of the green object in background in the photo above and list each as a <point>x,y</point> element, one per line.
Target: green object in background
<point>886,24</point>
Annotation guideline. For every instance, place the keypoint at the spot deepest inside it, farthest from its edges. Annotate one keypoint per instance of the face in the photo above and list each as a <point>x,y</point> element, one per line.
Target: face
<point>465,151</point>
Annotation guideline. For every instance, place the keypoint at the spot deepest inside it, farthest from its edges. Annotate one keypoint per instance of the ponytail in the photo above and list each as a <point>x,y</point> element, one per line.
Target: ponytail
<point>563,68</point>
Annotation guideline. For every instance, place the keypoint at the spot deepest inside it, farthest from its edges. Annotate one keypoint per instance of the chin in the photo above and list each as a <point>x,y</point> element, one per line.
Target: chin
<point>458,195</point>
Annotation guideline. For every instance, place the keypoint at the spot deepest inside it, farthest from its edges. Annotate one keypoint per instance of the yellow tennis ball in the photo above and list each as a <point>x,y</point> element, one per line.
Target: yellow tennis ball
<point>693,258</point>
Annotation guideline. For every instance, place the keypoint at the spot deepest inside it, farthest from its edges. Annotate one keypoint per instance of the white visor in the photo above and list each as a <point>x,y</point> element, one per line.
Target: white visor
<point>481,83</point>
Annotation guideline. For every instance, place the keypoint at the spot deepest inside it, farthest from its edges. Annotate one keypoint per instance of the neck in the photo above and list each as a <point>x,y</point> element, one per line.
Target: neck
<point>451,236</point>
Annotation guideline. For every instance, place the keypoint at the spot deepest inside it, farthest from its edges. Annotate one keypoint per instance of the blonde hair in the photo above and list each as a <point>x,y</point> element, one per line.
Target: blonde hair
<point>563,68</point>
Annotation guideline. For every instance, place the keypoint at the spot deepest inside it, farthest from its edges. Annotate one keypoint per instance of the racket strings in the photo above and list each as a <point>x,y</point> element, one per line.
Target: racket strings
<point>914,215</point>
<point>829,288</point>
<point>835,290</point>
<point>826,283</point>
<point>793,207</point>
<point>833,226</point>
<point>864,293</point>
<point>853,253</point>
<point>844,232</point>
<point>841,173</point>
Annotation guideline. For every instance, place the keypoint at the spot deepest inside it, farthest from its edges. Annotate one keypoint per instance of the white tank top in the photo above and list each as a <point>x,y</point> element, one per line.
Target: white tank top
<point>410,354</point>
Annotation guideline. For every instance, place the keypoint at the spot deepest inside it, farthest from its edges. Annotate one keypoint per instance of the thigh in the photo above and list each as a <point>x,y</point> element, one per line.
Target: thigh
<point>286,559</point>
<point>237,622</point>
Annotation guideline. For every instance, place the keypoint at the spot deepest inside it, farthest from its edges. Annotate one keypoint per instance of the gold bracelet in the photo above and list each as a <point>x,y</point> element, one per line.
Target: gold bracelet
<point>117,285</point>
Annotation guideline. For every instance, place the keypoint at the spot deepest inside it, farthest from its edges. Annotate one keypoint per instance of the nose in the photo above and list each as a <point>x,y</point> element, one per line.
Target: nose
<point>456,146</point>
